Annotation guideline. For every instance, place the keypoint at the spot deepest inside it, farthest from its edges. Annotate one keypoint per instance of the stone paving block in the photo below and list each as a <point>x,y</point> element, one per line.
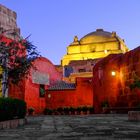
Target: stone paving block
<point>70,128</point>
<point>72,134</point>
<point>96,138</point>
<point>48,127</point>
<point>127,134</point>
<point>63,129</point>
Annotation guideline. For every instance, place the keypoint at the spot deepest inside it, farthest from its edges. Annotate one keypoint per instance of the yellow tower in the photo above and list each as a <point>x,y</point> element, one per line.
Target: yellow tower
<point>94,45</point>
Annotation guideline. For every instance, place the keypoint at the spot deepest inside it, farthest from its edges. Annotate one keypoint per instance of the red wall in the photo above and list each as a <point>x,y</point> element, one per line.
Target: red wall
<point>17,91</point>
<point>116,89</point>
<point>30,90</point>
<point>81,96</point>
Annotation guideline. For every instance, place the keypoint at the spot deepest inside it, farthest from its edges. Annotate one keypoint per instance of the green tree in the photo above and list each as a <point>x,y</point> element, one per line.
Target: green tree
<point>136,81</point>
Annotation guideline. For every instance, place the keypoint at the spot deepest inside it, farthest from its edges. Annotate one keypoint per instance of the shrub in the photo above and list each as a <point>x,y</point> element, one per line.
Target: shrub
<point>31,110</point>
<point>60,109</point>
<point>20,108</point>
<point>84,108</point>
<point>135,84</point>
<point>48,111</point>
<point>105,104</point>
<point>66,110</point>
<point>12,108</point>
<point>91,109</point>
<point>79,109</point>
<point>71,109</point>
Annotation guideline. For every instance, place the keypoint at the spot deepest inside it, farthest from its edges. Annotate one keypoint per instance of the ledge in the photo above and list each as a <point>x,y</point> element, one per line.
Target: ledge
<point>12,123</point>
<point>134,115</point>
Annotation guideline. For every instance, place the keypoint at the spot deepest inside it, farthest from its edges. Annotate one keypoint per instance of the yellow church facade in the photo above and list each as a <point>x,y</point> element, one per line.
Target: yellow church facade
<point>97,44</point>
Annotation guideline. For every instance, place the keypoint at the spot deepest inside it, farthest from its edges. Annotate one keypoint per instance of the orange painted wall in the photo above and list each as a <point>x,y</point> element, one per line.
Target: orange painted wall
<point>32,98</point>
<point>81,96</point>
<point>17,91</point>
<point>30,90</point>
<point>116,89</point>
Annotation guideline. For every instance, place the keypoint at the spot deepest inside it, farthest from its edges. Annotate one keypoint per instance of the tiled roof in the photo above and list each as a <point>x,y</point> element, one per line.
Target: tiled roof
<point>62,85</point>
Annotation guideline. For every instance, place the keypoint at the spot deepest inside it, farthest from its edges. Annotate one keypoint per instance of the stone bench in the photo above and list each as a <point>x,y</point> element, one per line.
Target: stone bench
<point>134,115</point>
<point>121,110</point>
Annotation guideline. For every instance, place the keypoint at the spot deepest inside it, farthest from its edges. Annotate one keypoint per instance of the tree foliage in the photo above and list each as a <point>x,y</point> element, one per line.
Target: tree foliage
<point>136,81</point>
<point>135,84</point>
<point>16,58</point>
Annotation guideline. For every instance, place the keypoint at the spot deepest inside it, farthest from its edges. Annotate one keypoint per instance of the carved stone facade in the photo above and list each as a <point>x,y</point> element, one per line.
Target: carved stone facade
<point>8,25</point>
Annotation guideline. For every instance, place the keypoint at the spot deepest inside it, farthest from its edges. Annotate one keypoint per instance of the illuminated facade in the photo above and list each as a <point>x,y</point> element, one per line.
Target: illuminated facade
<point>94,45</point>
<point>79,68</point>
<point>116,80</point>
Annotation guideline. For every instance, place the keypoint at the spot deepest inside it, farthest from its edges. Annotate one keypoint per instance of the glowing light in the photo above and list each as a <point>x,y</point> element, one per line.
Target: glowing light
<point>113,73</point>
<point>105,51</point>
<point>49,95</point>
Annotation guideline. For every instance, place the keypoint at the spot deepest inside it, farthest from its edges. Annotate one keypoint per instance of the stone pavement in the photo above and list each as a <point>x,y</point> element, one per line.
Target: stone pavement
<point>88,127</point>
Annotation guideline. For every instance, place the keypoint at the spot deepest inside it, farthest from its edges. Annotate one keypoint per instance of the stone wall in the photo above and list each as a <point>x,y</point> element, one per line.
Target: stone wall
<point>8,23</point>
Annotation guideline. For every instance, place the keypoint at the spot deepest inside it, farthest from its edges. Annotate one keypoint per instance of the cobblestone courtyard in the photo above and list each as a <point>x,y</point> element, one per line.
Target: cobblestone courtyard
<point>98,127</point>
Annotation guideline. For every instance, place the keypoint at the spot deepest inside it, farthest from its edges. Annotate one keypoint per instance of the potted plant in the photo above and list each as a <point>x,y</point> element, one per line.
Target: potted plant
<point>72,110</point>
<point>91,110</point>
<point>105,105</point>
<point>79,109</point>
<point>84,109</point>
<point>31,110</point>
<point>66,110</point>
<point>48,111</point>
<point>60,110</point>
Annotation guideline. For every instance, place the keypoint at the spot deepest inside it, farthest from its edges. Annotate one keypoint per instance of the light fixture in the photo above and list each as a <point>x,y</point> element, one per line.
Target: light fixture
<point>49,95</point>
<point>113,73</point>
<point>105,51</point>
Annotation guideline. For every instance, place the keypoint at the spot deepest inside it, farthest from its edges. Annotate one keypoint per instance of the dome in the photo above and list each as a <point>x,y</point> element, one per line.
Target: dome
<point>98,36</point>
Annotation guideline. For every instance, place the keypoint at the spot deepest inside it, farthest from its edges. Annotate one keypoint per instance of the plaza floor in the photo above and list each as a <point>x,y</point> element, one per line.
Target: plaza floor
<point>88,127</point>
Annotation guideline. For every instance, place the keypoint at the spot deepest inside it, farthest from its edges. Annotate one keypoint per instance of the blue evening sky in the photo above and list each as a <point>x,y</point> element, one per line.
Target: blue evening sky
<point>53,23</point>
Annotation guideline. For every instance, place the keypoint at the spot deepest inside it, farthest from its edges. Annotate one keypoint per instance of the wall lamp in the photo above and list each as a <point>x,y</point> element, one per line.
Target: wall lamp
<point>113,73</point>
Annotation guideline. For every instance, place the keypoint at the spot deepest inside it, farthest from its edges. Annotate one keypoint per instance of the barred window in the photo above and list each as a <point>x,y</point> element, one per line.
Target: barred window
<point>42,90</point>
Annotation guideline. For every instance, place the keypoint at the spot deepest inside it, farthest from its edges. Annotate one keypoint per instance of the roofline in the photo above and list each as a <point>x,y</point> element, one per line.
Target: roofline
<point>60,89</point>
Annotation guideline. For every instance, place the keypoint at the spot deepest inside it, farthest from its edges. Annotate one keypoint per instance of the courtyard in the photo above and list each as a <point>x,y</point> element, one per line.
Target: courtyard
<point>84,127</point>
